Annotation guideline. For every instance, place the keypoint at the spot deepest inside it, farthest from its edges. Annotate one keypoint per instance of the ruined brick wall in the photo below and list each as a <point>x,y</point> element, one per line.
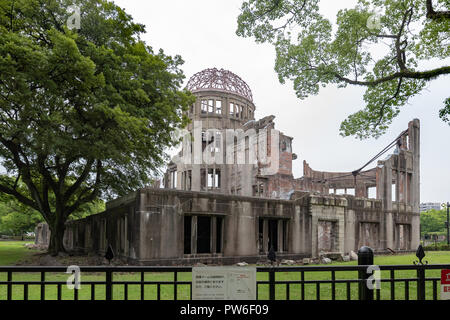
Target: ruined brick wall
<point>327,236</point>
<point>369,235</point>
<point>42,234</point>
<point>280,186</point>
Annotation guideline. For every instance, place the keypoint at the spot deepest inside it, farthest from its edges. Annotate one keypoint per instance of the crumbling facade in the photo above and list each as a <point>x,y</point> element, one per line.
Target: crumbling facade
<point>224,116</point>
<point>226,210</point>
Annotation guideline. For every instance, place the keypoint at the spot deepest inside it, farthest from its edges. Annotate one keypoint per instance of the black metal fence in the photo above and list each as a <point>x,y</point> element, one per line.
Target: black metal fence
<point>420,281</point>
<point>296,282</point>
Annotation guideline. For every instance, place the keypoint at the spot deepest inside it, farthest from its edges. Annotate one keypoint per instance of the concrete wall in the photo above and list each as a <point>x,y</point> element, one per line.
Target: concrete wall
<point>326,210</point>
<point>118,226</point>
<point>147,227</point>
<point>42,233</point>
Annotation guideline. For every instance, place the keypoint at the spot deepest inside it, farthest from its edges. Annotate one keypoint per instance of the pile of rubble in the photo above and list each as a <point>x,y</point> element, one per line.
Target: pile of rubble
<point>35,246</point>
<point>324,258</point>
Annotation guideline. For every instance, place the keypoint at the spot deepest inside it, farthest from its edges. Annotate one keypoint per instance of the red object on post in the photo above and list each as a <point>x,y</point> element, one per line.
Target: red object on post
<point>445,276</point>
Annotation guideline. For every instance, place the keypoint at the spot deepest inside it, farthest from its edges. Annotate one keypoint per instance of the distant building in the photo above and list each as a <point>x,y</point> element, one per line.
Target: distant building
<point>430,205</point>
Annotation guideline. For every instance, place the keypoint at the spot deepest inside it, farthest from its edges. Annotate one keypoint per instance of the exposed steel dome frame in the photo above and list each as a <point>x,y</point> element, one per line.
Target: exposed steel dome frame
<point>222,80</point>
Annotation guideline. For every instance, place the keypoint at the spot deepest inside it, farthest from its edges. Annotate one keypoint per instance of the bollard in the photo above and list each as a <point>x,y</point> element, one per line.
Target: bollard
<point>365,258</point>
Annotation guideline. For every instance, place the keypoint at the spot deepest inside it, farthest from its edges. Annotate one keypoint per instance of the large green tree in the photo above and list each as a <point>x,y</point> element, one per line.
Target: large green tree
<point>311,54</point>
<point>84,113</point>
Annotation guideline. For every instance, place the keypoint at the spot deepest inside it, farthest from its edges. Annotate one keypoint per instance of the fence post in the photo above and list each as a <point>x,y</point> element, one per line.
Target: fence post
<point>365,257</point>
<point>108,285</point>
<point>42,285</point>
<point>9,288</point>
<point>272,284</point>
<point>420,253</point>
<point>420,282</point>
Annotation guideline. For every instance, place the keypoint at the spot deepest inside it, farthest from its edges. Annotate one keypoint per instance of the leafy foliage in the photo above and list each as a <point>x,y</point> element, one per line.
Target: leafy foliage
<point>444,113</point>
<point>83,114</point>
<point>433,221</point>
<point>312,54</point>
<point>17,218</point>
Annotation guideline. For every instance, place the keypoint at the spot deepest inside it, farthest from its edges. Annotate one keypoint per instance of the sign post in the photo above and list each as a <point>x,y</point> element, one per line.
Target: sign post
<point>445,284</point>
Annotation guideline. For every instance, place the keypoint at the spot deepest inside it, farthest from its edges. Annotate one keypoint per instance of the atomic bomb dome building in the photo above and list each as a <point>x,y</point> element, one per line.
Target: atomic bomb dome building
<point>237,144</point>
<point>230,195</point>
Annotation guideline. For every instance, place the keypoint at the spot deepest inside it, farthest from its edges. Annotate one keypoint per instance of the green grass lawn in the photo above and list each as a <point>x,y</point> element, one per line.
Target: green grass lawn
<point>433,257</point>
<point>10,252</point>
<point>13,251</point>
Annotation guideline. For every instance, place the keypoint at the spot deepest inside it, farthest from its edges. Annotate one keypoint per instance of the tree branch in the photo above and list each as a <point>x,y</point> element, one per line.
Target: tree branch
<point>47,177</point>
<point>401,52</point>
<point>87,169</point>
<point>381,113</point>
<point>407,74</point>
<point>24,170</point>
<point>435,15</point>
<point>95,191</point>
<point>19,196</point>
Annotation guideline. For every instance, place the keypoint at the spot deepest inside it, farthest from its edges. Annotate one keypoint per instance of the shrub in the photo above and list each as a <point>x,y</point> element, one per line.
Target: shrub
<point>437,247</point>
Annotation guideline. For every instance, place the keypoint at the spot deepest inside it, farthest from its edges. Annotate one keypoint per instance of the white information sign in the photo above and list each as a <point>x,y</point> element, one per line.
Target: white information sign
<point>223,283</point>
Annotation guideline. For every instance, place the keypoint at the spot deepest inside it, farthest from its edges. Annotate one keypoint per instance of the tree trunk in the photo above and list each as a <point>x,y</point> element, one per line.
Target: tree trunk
<point>56,238</point>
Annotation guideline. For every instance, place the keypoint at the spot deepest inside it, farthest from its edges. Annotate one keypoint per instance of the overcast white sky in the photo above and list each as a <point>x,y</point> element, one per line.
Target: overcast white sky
<point>203,33</point>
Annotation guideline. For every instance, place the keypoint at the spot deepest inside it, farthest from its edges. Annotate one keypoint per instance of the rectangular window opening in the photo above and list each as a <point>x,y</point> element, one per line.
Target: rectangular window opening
<point>210,106</point>
<point>210,178</point>
<point>394,192</point>
<point>350,191</point>
<point>218,107</point>
<point>372,192</point>
<point>273,234</point>
<point>203,234</point>
<point>204,106</point>
<point>217,179</point>
<point>173,179</point>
